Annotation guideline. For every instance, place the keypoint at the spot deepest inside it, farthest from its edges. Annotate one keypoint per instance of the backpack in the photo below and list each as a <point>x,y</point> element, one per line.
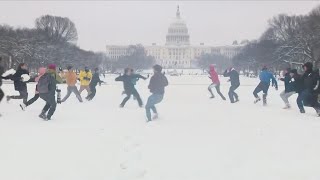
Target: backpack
<point>43,84</point>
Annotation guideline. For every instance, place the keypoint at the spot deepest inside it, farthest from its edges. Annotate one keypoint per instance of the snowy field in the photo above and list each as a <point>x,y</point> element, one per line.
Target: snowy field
<point>196,138</point>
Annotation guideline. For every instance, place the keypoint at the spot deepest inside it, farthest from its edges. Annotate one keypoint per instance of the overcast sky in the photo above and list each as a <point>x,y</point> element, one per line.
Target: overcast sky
<point>109,22</point>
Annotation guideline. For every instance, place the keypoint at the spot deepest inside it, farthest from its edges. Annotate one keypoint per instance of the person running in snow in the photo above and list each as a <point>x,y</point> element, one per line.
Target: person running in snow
<point>157,84</point>
<point>19,84</point>
<point>235,83</point>
<point>265,78</point>
<point>36,96</point>
<point>94,82</point>
<point>47,87</point>
<point>71,79</point>
<point>1,72</point>
<point>289,88</point>
<point>85,78</point>
<point>215,82</point>
<point>128,80</point>
<point>298,88</point>
<point>311,87</point>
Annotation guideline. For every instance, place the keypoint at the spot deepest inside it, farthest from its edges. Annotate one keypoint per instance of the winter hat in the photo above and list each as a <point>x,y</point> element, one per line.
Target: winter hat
<point>69,67</point>
<point>157,68</point>
<point>308,65</point>
<point>265,68</point>
<point>52,67</point>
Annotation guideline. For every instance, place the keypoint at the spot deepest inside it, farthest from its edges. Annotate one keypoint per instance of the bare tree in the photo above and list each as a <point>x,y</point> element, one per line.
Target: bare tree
<point>57,29</point>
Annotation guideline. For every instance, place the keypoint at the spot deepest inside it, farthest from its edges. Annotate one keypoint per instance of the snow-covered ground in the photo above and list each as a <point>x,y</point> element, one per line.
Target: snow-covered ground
<point>196,138</point>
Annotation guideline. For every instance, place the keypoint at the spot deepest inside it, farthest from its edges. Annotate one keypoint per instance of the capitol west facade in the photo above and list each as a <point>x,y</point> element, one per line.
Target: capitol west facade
<point>177,52</point>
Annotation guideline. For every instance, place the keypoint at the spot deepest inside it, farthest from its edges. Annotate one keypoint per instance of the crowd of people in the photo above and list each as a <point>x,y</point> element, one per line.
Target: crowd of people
<point>48,78</point>
<point>307,86</point>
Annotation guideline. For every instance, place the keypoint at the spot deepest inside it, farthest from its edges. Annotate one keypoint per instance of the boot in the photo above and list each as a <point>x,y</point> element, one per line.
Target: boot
<point>43,116</point>
<point>264,99</point>
<point>23,107</point>
<point>257,100</point>
<point>302,111</point>
<point>287,106</point>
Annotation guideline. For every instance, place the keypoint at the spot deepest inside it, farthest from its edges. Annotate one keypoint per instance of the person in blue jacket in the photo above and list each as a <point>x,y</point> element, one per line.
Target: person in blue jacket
<point>265,78</point>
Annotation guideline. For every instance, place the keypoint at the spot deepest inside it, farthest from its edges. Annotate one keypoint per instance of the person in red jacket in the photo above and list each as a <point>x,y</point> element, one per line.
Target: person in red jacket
<point>215,82</point>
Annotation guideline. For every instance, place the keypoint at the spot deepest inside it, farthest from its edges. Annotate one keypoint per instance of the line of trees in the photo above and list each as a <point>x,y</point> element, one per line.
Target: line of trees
<point>52,40</point>
<point>288,41</point>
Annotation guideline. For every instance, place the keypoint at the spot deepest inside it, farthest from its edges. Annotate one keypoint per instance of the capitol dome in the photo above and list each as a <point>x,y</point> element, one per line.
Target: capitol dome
<point>178,32</point>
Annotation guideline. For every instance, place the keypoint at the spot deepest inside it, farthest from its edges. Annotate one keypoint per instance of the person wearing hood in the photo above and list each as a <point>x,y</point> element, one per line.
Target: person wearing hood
<point>41,72</point>
<point>1,72</point>
<point>215,82</point>
<point>289,89</point>
<point>71,80</point>
<point>311,86</point>
<point>129,80</point>
<point>235,83</point>
<point>85,78</point>
<point>47,87</point>
<point>298,88</point>
<point>157,84</point>
<point>19,84</point>
<point>265,77</point>
<point>94,82</point>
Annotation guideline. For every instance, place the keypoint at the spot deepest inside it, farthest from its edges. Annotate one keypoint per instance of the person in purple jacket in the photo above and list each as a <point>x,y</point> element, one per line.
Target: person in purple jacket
<point>157,84</point>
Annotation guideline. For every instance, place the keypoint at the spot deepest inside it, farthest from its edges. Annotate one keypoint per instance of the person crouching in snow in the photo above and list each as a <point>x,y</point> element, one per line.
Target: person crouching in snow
<point>94,82</point>
<point>235,83</point>
<point>71,79</point>
<point>47,87</point>
<point>215,82</point>
<point>19,84</point>
<point>265,78</point>
<point>41,72</point>
<point>289,89</point>
<point>157,84</point>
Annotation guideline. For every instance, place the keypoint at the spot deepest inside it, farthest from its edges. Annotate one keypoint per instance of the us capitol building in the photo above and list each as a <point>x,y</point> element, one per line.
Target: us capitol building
<point>177,52</point>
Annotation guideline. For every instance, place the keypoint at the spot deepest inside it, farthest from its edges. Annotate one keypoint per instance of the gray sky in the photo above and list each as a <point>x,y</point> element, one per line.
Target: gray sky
<point>109,22</point>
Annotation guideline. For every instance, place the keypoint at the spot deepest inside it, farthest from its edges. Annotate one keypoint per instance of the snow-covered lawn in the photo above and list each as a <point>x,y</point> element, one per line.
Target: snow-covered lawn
<point>196,138</point>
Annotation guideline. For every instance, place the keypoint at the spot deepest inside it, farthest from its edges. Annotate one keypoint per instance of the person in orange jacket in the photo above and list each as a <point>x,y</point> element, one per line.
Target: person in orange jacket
<point>71,79</point>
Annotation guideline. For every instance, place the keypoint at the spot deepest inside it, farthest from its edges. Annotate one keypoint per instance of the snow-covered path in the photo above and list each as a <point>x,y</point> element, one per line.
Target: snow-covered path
<point>195,137</point>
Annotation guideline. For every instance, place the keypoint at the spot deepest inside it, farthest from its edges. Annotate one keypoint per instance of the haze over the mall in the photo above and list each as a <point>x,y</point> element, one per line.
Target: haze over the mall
<point>101,23</point>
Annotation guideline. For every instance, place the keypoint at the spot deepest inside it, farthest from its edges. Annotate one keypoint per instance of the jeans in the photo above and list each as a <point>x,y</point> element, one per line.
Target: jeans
<point>72,89</point>
<point>32,100</point>
<point>23,95</point>
<point>51,104</point>
<point>217,86</point>
<point>285,96</point>
<point>133,92</point>
<point>232,95</point>
<point>87,88</point>
<point>264,87</point>
<point>152,100</point>
<point>93,93</point>
<point>300,101</point>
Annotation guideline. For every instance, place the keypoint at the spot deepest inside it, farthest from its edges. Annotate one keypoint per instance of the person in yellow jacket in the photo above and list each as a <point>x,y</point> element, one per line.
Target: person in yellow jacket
<point>85,79</point>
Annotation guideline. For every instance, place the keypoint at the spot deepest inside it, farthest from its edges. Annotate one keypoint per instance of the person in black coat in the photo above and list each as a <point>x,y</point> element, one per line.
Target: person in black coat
<point>129,81</point>
<point>157,84</point>
<point>1,72</point>
<point>19,84</point>
<point>288,88</point>
<point>297,84</point>
<point>94,82</point>
<point>235,83</point>
<point>311,82</point>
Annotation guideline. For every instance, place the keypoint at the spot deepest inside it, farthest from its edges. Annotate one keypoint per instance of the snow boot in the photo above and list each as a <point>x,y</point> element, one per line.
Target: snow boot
<point>8,98</point>
<point>302,111</point>
<point>211,97</point>
<point>264,99</point>
<point>43,116</point>
<point>287,106</point>
<point>23,107</point>
<point>155,116</point>
<point>257,100</point>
